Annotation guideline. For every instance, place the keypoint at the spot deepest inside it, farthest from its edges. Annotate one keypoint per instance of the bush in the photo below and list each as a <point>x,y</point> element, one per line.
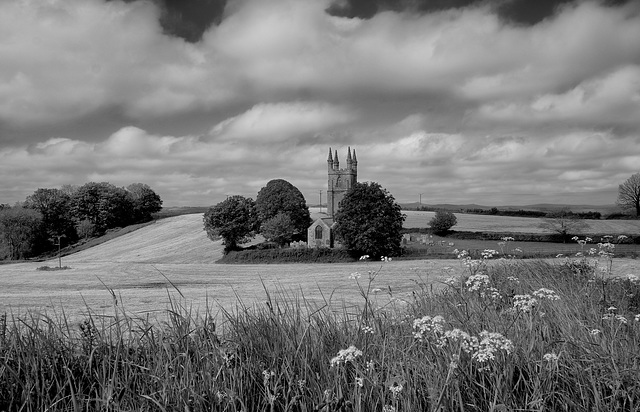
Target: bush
<point>443,221</point>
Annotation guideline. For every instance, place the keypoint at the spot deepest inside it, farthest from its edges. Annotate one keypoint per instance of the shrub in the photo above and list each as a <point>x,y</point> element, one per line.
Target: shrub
<point>443,221</point>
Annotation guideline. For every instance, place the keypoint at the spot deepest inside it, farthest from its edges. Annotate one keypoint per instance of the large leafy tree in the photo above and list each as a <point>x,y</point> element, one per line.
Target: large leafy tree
<point>104,205</point>
<point>21,232</point>
<point>369,221</point>
<point>629,194</point>
<point>145,201</point>
<point>278,229</point>
<point>55,207</point>
<point>280,196</point>
<point>234,219</point>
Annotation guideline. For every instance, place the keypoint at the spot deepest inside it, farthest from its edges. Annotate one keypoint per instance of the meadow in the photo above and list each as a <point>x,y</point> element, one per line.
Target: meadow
<point>501,336</point>
<point>148,321</point>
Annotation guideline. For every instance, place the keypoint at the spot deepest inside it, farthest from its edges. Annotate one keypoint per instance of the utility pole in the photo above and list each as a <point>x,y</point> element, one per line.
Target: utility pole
<point>59,256</point>
<point>420,203</point>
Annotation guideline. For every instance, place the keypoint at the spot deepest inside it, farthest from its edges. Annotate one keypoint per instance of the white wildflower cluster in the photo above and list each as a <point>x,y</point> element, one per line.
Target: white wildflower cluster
<point>488,344</point>
<point>611,315</point>
<point>345,355</point>
<point>633,278</point>
<point>489,253</point>
<point>385,259</point>
<point>360,382</point>
<point>266,376</point>
<point>367,329</point>
<point>395,389</point>
<point>481,348</point>
<point>452,281</point>
<point>551,357</point>
<point>355,276</point>
<point>364,257</point>
<point>477,282</point>
<point>524,303</point>
<point>637,318</point>
<point>507,239</point>
<point>544,293</point>
<point>480,283</point>
<point>513,279</point>
<point>595,332</point>
<point>427,327</point>
<point>388,408</point>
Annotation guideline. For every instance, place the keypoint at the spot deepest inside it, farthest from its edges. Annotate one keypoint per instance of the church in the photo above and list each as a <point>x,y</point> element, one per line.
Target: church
<point>321,232</point>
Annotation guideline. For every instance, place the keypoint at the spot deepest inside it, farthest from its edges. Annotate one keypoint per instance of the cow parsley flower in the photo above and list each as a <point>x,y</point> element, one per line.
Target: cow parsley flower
<point>346,355</point>
<point>544,293</point>
<point>524,303</point>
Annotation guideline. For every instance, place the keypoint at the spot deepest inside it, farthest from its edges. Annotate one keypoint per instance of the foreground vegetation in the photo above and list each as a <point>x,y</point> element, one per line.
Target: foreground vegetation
<point>509,335</point>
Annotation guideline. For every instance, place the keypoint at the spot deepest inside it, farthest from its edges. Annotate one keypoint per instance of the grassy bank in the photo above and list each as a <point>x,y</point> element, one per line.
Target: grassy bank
<point>513,335</point>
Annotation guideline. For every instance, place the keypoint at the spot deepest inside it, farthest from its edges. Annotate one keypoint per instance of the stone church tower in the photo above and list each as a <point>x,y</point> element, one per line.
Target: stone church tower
<point>340,180</point>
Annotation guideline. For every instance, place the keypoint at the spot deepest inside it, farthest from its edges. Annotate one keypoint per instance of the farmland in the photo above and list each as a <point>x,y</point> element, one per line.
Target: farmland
<point>142,268</point>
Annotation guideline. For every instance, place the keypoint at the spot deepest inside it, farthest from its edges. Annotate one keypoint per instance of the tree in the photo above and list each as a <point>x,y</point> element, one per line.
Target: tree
<point>145,201</point>
<point>563,222</point>
<point>629,194</point>
<point>234,219</point>
<point>55,207</point>
<point>103,204</point>
<point>21,231</point>
<point>443,221</point>
<point>280,196</point>
<point>369,221</point>
<point>278,229</point>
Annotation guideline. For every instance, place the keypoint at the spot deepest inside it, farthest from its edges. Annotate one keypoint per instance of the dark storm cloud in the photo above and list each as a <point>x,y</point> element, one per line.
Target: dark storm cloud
<point>527,12</point>
<point>188,19</point>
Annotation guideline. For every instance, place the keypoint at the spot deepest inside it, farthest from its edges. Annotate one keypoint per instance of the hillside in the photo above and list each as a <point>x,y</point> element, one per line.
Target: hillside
<point>178,239</point>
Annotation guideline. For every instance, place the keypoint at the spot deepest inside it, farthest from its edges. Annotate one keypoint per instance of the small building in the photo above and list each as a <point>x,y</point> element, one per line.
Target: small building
<point>320,233</point>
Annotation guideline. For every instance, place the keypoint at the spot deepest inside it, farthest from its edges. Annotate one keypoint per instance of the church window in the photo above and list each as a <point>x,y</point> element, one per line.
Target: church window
<point>318,232</point>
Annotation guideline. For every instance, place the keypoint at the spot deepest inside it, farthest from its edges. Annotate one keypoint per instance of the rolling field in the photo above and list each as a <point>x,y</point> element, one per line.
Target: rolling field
<point>142,268</point>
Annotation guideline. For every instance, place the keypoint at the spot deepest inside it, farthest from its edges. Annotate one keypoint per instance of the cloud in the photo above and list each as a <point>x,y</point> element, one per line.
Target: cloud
<point>270,123</point>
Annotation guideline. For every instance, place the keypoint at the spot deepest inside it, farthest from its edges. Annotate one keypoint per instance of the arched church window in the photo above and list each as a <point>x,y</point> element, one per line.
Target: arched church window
<point>318,232</point>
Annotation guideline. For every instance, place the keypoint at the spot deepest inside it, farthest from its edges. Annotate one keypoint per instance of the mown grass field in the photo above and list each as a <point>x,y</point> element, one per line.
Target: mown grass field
<point>141,266</point>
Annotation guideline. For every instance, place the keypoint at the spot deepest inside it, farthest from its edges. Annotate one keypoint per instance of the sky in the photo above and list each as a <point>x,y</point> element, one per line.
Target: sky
<point>505,102</point>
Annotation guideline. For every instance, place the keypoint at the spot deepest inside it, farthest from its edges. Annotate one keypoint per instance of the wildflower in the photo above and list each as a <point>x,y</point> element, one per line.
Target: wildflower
<point>488,253</point>
<point>622,237</point>
<point>367,329</point>
<point>575,238</point>
<point>371,366</point>
<point>517,250</point>
<point>524,303</point>
<point>376,290</point>
<point>488,344</point>
<point>395,389</point>
<point>633,278</point>
<point>491,293</point>
<point>544,293</point>
<point>592,251</point>
<point>559,255</point>
<point>266,376</point>
<point>588,239</point>
<point>451,281</point>
<point>582,242</point>
<point>364,257</point>
<point>513,279</point>
<point>612,309</point>
<point>346,355</point>
<point>221,396</point>
<point>302,384</point>
<point>475,282</point>
<point>355,276</point>
<point>595,332</point>
<point>388,408</point>
<point>507,239</point>
<point>360,382</point>
<point>385,259</point>
<point>621,319</point>
<point>637,318</point>
<point>428,325</point>
<point>551,357</point>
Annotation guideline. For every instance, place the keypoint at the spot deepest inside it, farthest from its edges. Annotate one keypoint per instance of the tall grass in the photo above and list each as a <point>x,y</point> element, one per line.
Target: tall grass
<point>506,336</point>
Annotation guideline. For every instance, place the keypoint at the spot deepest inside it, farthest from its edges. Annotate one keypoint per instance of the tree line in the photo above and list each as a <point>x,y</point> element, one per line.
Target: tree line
<point>368,221</point>
<point>50,216</point>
